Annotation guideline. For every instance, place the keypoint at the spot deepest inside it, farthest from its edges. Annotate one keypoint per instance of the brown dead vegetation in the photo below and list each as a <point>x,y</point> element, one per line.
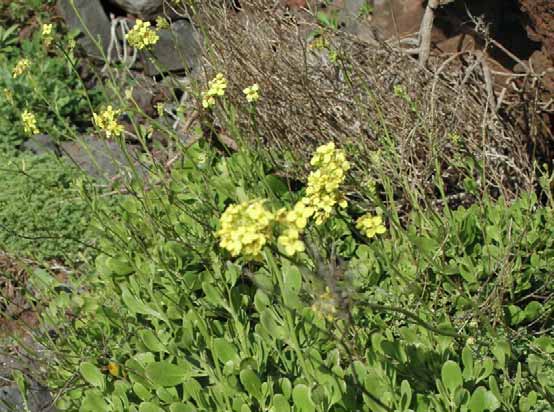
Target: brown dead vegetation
<point>453,119</point>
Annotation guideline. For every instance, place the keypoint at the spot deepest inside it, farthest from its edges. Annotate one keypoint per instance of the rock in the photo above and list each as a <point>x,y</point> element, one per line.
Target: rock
<point>39,399</point>
<point>90,18</point>
<point>397,18</point>
<point>145,9</point>
<point>351,11</point>
<point>42,144</point>
<point>541,27</point>
<point>99,158</point>
<point>177,49</point>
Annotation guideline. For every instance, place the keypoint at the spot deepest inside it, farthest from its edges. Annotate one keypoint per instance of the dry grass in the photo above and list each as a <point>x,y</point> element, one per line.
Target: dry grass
<point>444,124</point>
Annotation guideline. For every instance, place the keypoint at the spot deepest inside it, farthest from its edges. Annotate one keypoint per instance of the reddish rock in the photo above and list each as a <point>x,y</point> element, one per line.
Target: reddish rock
<point>541,27</point>
<point>397,17</point>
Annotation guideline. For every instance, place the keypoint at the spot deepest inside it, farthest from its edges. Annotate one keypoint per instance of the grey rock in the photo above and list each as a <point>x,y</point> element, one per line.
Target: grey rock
<point>351,10</point>
<point>40,399</point>
<point>90,18</point>
<point>177,49</point>
<point>42,144</point>
<point>100,158</point>
<point>145,9</point>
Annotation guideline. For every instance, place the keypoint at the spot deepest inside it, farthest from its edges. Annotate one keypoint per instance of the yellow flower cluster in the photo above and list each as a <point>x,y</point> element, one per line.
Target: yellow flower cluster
<point>29,123</point>
<point>295,221</point>
<point>252,93</point>
<point>245,228</point>
<point>323,183</point>
<point>21,67</point>
<point>107,121</point>
<point>46,33</point>
<point>162,23</point>
<point>141,36</point>
<point>370,225</point>
<point>216,88</point>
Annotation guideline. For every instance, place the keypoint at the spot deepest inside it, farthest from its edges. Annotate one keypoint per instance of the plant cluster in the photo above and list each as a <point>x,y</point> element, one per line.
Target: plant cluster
<point>41,215</point>
<point>224,283</point>
<point>421,319</point>
<point>38,76</point>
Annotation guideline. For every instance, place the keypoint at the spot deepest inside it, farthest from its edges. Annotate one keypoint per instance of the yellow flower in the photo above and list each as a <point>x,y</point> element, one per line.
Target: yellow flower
<point>107,121</point>
<point>370,225</point>
<point>245,228</point>
<point>141,36</point>
<point>29,123</point>
<point>21,67</point>
<point>300,214</point>
<point>162,23</point>
<point>324,182</point>
<point>113,368</point>
<point>290,242</point>
<point>252,93</point>
<point>46,33</point>
<point>216,88</point>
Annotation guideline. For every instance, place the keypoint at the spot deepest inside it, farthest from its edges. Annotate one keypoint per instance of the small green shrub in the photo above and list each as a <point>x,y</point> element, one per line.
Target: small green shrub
<point>49,88</point>
<point>40,214</point>
<point>398,323</point>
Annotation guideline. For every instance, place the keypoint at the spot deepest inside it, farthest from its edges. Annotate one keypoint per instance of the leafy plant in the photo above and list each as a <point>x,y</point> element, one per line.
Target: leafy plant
<point>50,88</point>
<point>40,214</point>
<point>190,329</point>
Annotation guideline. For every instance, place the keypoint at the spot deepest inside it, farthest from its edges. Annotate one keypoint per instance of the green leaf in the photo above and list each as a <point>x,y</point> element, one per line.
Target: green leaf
<point>526,403</point>
<point>141,391</point>
<point>280,403</point>
<point>225,351</point>
<point>182,407</point>
<point>483,400</point>
<point>166,374</point>
<point>406,394</point>
<point>251,383</point>
<point>267,318</point>
<point>292,279</point>
<point>212,295</point>
<point>276,184</point>
<point>91,374</point>
<point>119,266</point>
<point>21,383</point>
<point>323,18</point>
<point>467,361</point>
<point>261,300</point>
<point>167,395</point>
<point>151,341</point>
<point>451,376</point>
<point>532,310</point>
<point>501,350</point>
<point>301,395</point>
<point>286,387</point>
<point>149,407</point>
<point>94,402</point>
<point>483,369</point>
<point>427,245</point>
<point>546,343</point>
